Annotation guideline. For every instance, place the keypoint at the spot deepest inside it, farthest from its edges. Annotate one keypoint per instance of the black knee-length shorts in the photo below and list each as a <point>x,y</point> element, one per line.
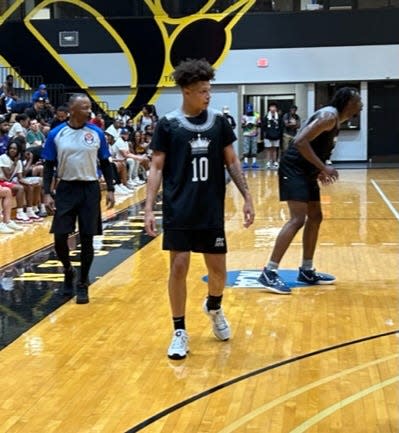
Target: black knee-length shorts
<point>81,201</point>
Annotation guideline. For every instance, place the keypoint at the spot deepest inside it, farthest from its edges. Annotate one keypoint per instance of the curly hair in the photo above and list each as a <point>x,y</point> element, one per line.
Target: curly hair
<point>191,71</point>
<point>342,97</point>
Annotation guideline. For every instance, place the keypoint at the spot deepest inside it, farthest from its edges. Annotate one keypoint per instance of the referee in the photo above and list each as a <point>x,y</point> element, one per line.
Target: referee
<point>74,147</point>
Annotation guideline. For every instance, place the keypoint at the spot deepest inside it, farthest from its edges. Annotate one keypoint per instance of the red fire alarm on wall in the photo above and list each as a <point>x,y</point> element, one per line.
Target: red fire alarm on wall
<point>262,62</point>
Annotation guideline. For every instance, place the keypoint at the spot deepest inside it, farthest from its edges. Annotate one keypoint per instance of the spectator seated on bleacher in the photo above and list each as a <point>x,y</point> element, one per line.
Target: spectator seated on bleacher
<point>33,172</point>
<point>35,136</point>
<point>9,101</point>
<point>25,190</point>
<point>123,116</point>
<point>122,154</point>
<point>20,126</point>
<point>48,114</point>
<point>61,116</point>
<point>98,121</point>
<point>119,170</point>
<point>7,94</point>
<point>114,128</point>
<point>4,137</point>
<point>41,92</point>
<point>141,148</point>
<point>38,112</point>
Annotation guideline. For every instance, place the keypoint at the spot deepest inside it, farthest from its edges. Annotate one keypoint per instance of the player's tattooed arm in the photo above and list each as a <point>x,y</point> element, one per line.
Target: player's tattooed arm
<point>238,178</point>
<point>234,169</point>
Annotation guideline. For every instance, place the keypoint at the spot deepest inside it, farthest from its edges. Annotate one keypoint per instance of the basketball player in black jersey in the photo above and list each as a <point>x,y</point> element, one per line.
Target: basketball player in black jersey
<point>302,166</point>
<point>192,146</point>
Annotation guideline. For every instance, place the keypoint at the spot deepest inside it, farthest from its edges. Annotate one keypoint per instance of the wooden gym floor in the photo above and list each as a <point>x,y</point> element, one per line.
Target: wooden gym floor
<point>324,359</point>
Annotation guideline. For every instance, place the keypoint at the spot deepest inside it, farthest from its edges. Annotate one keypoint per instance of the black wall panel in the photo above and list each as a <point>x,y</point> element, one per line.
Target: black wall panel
<point>317,29</point>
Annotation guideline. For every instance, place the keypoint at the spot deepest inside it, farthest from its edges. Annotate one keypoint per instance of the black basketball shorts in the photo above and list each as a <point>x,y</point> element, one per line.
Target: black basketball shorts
<point>198,241</point>
<point>298,188</point>
<point>77,200</point>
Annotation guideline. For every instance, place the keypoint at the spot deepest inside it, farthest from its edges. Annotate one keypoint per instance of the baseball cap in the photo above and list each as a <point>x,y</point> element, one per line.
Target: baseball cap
<point>124,131</point>
<point>42,86</point>
<point>110,134</point>
<point>40,99</point>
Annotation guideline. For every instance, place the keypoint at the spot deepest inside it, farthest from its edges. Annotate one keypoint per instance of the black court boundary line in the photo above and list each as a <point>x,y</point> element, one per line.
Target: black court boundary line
<point>253,373</point>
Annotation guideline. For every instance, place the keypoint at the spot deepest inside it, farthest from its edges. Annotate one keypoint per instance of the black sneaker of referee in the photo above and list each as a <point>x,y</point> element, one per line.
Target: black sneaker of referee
<point>82,293</point>
<point>69,281</point>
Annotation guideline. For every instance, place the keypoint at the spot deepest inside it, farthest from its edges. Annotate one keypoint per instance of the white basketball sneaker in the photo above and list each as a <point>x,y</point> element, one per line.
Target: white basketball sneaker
<point>13,226</point>
<point>178,348</point>
<point>5,230</point>
<point>220,325</point>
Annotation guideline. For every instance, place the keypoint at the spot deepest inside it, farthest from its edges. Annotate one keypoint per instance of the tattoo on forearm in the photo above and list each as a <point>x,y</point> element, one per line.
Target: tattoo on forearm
<point>238,178</point>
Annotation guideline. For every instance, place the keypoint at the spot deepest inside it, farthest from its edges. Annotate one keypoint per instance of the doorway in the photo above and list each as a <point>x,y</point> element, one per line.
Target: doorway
<point>261,104</point>
<point>383,121</point>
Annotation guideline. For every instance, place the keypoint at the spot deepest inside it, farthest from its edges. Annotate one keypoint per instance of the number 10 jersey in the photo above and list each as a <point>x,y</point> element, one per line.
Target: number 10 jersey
<point>194,181</point>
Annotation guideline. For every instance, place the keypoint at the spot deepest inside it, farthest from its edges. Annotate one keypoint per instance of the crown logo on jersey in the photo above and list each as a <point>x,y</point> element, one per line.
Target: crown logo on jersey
<point>199,145</point>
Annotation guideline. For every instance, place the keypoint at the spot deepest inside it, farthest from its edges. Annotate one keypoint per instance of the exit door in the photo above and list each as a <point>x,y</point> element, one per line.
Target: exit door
<point>383,121</point>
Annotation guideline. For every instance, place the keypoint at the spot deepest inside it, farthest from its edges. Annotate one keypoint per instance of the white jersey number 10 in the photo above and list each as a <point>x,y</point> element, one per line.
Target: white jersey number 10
<point>200,169</point>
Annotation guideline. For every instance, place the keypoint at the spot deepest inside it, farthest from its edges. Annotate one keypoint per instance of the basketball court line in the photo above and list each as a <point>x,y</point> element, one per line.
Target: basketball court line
<point>385,199</point>
<point>341,404</point>
<point>152,419</point>
<point>282,399</point>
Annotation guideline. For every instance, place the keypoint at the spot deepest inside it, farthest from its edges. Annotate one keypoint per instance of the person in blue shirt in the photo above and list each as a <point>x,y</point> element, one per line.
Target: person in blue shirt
<point>74,147</point>
<point>41,92</point>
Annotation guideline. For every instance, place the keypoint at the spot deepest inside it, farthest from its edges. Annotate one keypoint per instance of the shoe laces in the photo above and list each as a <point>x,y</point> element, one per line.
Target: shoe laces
<point>219,319</point>
<point>179,341</point>
<point>311,272</point>
<point>275,278</point>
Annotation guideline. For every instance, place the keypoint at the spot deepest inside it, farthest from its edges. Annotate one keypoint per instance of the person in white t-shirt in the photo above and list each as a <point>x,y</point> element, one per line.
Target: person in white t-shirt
<point>114,129</point>
<point>119,169</point>
<point>11,170</point>
<point>20,127</point>
<point>121,152</point>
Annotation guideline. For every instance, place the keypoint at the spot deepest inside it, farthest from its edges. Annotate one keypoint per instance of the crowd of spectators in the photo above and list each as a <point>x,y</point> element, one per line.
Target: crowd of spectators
<point>129,139</point>
<point>23,130</point>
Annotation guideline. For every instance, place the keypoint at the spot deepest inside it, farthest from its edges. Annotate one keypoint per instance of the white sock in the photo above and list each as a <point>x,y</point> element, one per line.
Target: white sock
<point>272,266</point>
<point>307,264</point>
